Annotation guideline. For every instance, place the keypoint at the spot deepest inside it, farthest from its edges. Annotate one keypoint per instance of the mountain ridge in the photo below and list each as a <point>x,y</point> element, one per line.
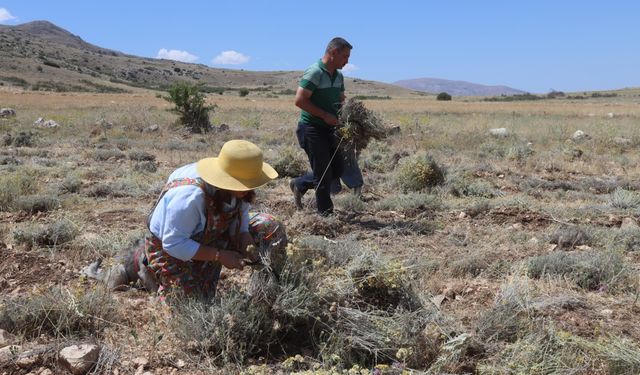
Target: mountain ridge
<point>456,88</point>
<point>40,55</point>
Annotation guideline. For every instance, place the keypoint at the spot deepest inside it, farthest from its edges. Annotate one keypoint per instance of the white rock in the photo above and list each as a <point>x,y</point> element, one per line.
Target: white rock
<point>462,215</point>
<point>50,124</point>
<point>610,115</point>
<point>7,112</point>
<point>39,121</point>
<point>79,358</point>
<point>499,132</point>
<point>579,135</point>
<point>6,338</point>
<point>151,128</point>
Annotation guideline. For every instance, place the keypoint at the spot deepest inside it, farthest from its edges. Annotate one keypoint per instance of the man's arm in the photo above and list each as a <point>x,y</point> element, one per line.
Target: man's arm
<point>303,101</point>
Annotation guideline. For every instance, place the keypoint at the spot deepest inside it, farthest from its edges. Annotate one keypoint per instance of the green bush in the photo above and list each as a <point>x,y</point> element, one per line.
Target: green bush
<point>189,103</point>
<point>419,173</point>
<point>443,96</point>
<point>243,92</point>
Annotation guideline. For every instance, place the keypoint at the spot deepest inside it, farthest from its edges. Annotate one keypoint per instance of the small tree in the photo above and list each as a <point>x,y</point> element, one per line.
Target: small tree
<point>443,96</point>
<point>190,105</point>
<point>244,92</point>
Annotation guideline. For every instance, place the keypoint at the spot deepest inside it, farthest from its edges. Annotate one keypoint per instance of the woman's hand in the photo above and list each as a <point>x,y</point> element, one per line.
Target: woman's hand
<point>244,242</point>
<point>231,259</point>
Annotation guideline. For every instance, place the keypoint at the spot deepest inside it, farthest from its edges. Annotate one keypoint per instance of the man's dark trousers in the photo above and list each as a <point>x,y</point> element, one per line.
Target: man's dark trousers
<point>319,142</point>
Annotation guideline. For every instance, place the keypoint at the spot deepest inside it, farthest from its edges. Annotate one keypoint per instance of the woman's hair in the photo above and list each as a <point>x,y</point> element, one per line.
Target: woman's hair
<point>222,196</point>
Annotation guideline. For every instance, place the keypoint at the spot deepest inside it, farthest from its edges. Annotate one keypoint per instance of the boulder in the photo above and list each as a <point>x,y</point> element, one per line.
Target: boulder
<point>79,358</point>
<point>151,128</point>
<point>7,112</point>
<point>499,132</point>
<point>579,135</point>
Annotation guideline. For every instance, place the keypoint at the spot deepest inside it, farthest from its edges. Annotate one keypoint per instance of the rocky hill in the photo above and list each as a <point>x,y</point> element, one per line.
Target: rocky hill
<point>42,56</point>
<point>456,88</point>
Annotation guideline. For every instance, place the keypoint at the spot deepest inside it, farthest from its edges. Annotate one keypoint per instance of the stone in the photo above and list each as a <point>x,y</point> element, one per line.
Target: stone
<point>579,135</point>
<point>151,128</point>
<point>7,112</point>
<point>499,132</point>
<point>79,358</point>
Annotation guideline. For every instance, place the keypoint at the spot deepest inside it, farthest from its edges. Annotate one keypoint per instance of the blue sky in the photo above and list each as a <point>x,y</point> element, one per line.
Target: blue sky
<point>536,46</point>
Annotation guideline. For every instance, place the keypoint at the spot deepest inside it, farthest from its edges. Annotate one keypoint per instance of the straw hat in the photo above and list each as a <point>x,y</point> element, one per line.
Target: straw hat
<point>238,167</point>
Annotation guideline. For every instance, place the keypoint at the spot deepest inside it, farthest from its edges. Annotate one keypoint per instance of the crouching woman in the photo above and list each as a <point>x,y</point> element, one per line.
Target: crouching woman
<point>201,221</point>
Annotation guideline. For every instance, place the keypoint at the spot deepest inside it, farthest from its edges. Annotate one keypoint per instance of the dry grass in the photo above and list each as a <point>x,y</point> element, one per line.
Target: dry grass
<point>410,280</point>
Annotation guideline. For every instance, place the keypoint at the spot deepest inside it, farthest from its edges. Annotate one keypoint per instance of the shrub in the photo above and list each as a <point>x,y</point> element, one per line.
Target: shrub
<point>443,96</point>
<point>377,157</point>
<point>590,270</point>
<point>59,312</point>
<point>37,203</point>
<point>290,162</point>
<point>189,103</point>
<point>24,139</point>
<point>57,233</point>
<point>139,155</point>
<point>243,92</point>
<point>624,199</point>
<point>410,203</point>
<point>71,183</point>
<point>146,166</point>
<point>472,265</point>
<point>419,173</point>
<point>17,184</point>
<point>227,331</point>
<point>509,317</point>
<point>104,155</point>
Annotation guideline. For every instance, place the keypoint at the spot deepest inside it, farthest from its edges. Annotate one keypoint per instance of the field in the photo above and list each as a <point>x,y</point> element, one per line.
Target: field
<point>524,259</point>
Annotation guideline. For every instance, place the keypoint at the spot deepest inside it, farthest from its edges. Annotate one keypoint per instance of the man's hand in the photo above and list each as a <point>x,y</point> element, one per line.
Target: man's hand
<point>330,119</point>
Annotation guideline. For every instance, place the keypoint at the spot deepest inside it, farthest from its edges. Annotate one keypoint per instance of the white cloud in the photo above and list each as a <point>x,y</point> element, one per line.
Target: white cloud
<point>231,58</point>
<point>177,55</point>
<point>5,15</point>
<point>349,68</point>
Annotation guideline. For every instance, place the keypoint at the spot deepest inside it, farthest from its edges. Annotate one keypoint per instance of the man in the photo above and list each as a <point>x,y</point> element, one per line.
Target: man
<point>319,96</point>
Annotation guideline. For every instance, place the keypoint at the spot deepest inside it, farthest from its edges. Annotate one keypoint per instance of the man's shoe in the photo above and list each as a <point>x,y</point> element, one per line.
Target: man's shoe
<point>297,195</point>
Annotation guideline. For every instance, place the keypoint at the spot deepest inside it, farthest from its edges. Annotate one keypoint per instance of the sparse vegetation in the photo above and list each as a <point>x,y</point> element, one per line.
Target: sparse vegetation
<point>512,261</point>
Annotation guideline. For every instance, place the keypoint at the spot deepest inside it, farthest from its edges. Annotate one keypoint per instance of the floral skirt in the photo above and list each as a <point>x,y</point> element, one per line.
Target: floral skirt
<point>200,278</point>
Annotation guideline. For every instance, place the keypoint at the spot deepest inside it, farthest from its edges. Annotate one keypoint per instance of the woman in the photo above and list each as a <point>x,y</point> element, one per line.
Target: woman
<point>201,220</point>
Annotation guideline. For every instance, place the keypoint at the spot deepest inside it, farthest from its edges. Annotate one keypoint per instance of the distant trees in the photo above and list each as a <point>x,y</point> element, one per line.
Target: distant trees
<point>443,96</point>
<point>190,104</point>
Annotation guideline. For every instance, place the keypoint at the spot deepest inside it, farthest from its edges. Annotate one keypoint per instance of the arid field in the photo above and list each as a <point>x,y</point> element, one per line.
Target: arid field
<point>524,259</point>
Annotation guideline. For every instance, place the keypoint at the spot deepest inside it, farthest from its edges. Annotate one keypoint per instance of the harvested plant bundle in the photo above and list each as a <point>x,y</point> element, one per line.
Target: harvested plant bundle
<point>359,126</point>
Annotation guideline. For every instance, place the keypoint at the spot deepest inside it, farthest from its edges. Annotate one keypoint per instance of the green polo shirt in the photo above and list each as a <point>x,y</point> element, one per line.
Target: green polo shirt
<point>326,90</point>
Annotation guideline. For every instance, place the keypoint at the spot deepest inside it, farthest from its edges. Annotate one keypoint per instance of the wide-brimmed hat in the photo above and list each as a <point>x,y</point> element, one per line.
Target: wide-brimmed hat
<point>238,167</point>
